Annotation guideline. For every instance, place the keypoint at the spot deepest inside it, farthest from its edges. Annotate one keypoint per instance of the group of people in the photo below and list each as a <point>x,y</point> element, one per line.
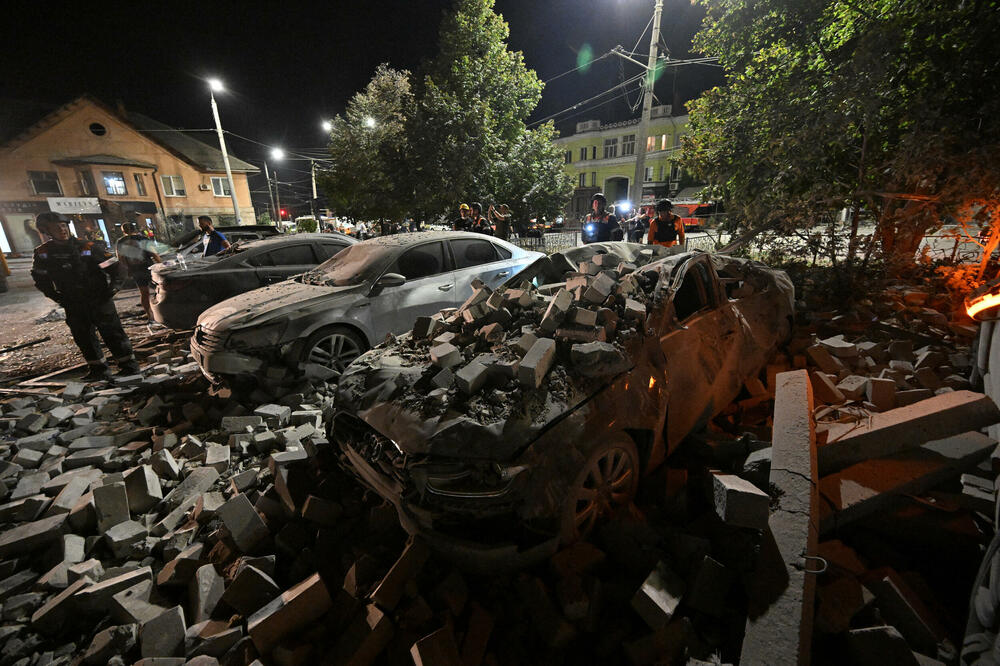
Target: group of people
<point>657,223</point>
<point>496,223</point>
<point>82,276</point>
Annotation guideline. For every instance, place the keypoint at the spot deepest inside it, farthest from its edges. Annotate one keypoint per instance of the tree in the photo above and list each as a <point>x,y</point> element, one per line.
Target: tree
<point>887,107</point>
<point>369,179</point>
<point>468,131</point>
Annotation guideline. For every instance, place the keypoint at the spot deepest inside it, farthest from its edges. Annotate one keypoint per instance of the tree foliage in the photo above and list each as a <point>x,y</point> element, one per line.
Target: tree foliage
<point>457,132</point>
<point>886,108</point>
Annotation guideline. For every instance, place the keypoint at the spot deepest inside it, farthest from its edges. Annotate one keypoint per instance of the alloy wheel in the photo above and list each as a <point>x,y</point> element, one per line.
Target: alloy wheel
<point>335,352</point>
<point>609,482</point>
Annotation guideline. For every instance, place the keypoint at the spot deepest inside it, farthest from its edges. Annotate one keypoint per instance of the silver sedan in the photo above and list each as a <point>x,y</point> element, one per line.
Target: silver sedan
<point>322,320</point>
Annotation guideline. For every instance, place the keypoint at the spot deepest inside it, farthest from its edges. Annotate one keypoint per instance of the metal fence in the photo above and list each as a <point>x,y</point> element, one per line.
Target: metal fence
<point>557,242</point>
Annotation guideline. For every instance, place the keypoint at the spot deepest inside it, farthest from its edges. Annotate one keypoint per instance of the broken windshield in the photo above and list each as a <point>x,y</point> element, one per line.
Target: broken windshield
<point>352,265</point>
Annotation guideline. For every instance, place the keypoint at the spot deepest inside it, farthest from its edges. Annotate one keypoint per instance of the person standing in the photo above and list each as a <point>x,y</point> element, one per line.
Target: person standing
<point>501,221</point>
<point>135,252</point>
<point>361,230</point>
<point>462,223</point>
<point>213,241</point>
<point>76,274</point>
<point>636,226</point>
<point>665,229</point>
<point>599,225</point>
<point>479,224</point>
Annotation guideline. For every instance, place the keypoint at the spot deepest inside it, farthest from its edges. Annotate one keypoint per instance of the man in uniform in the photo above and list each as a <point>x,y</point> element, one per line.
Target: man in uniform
<point>480,224</point>
<point>599,225</point>
<point>70,272</point>
<point>665,229</point>
<point>463,222</point>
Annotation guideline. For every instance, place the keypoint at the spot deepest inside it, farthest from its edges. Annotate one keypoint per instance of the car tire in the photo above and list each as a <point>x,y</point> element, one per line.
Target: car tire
<point>607,481</point>
<point>333,347</point>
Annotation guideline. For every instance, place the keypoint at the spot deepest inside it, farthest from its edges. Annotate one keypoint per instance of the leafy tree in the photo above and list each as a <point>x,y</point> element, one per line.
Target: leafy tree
<point>887,108</point>
<point>368,179</point>
<point>306,225</point>
<point>265,218</point>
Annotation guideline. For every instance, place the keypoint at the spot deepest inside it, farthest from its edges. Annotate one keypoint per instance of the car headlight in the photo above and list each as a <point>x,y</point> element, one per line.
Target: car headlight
<point>259,336</point>
<point>468,480</point>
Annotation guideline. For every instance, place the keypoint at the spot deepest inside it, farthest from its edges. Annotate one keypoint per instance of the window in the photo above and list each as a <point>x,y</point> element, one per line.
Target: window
<point>648,175</point>
<point>593,179</point>
<point>140,184</point>
<point>568,156</point>
<point>675,172</point>
<point>420,262</point>
<point>289,255</point>
<point>663,141</point>
<point>503,252</point>
<point>661,173</point>
<point>173,186</point>
<point>593,152</point>
<point>326,250</point>
<point>45,182</point>
<point>87,186</point>
<point>694,293</point>
<point>472,252</point>
<point>610,148</point>
<point>650,143</point>
<point>114,183</point>
<point>583,153</point>
<point>97,129</point>
<point>628,144</point>
<point>220,186</point>
<point>583,179</point>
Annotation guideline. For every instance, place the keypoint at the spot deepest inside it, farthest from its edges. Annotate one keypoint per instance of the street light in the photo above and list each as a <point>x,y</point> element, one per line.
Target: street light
<point>215,85</point>
<point>369,121</point>
<point>327,126</point>
<point>277,154</point>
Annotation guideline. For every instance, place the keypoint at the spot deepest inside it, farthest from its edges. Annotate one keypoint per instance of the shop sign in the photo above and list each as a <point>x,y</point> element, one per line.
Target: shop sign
<point>22,207</point>
<point>74,205</point>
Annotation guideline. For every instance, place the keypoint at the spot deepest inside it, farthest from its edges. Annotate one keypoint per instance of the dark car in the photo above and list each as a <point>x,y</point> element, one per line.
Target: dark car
<point>184,291</point>
<point>610,355</point>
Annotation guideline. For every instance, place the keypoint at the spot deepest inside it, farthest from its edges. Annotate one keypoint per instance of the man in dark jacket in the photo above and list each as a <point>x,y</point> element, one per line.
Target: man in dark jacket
<point>78,276</point>
<point>135,252</point>
<point>599,225</point>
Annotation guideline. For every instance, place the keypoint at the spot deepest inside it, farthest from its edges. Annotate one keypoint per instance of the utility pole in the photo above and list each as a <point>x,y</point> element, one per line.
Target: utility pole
<point>647,107</point>
<point>270,194</point>
<point>225,155</point>
<point>277,193</point>
<point>312,204</point>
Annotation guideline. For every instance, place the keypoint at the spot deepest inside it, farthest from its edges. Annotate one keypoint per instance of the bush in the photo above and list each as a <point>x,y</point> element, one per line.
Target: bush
<point>306,225</point>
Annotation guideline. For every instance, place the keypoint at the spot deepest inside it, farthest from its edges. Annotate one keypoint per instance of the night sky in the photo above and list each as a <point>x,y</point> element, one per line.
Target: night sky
<point>287,65</point>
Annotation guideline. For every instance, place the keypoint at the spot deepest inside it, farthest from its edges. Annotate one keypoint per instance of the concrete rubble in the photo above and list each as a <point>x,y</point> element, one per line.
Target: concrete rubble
<point>164,522</point>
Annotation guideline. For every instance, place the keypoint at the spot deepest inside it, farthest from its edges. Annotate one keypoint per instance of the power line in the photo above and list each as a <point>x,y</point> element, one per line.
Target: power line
<point>587,101</point>
<point>576,69</point>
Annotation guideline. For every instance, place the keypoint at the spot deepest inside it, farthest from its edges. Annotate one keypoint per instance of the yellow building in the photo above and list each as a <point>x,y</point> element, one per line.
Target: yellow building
<point>98,166</point>
<point>601,158</point>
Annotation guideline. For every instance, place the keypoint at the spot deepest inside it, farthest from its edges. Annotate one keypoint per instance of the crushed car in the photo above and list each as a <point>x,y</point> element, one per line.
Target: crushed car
<point>184,290</point>
<point>325,318</point>
<point>513,423</point>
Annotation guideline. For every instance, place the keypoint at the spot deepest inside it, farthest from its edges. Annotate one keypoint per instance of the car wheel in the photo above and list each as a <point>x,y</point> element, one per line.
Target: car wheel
<point>333,348</point>
<point>606,482</point>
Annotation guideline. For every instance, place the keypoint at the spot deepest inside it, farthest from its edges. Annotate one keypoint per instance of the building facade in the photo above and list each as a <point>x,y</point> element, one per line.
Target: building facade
<point>602,159</point>
<point>98,166</point>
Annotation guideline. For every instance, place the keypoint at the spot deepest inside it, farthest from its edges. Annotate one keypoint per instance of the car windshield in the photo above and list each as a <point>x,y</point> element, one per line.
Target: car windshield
<point>352,265</point>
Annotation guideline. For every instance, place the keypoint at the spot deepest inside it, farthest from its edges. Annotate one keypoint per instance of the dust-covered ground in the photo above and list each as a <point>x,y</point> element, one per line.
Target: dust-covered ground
<point>26,315</point>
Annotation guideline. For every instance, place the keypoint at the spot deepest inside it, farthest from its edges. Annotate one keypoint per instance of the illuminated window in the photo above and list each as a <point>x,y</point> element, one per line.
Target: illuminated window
<point>114,183</point>
<point>220,186</point>
<point>628,144</point>
<point>140,184</point>
<point>663,141</point>
<point>173,186</point>
<point>45,182</point>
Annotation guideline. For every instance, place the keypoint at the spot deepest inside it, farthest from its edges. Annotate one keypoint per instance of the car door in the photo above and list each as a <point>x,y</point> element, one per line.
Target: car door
<point>699,350</point>
<point>282,262</point>
<point>429,287</point>
<point>478,258</point>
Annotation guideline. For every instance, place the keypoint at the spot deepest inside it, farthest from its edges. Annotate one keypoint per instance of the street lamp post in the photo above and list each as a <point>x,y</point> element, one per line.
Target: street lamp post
<point>277,154</point>
<point>213,86</point>
<point>270,194</point>
<point>647,107</point>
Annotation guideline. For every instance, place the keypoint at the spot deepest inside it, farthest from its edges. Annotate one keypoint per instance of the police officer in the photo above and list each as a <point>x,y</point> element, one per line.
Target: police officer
<point>69,271</point>
<point>665,229</point>
<point>599,225</point>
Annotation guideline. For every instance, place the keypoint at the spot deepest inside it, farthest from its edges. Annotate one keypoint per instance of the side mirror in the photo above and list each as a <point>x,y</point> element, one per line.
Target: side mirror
<point>387,280</point>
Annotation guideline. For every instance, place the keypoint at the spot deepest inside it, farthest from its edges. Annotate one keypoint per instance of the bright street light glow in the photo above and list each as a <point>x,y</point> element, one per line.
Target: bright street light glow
<point>277,154</point>
<point>369,121</point>
<point>215,85</point>
<point>623,206</point>
<point>327,126</point>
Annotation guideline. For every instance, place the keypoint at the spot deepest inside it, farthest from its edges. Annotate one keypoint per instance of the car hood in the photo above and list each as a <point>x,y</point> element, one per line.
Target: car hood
<point>277,301</point>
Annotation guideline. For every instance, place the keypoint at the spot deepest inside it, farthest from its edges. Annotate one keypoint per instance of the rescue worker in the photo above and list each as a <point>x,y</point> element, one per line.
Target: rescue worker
<point>76,275</point>
<point>599,225</point>
<point>478,223</point>
<point>636,227</point>
<point>665,229</point>
<point>463,222</point>
<point>135,252</point>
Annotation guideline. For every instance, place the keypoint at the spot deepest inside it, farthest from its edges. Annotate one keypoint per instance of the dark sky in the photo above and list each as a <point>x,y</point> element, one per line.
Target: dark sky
<point>287,65</point>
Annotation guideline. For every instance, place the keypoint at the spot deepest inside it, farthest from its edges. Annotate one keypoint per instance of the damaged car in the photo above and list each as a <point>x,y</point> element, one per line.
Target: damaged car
<point>325,318</point>
<point>513,424</point>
